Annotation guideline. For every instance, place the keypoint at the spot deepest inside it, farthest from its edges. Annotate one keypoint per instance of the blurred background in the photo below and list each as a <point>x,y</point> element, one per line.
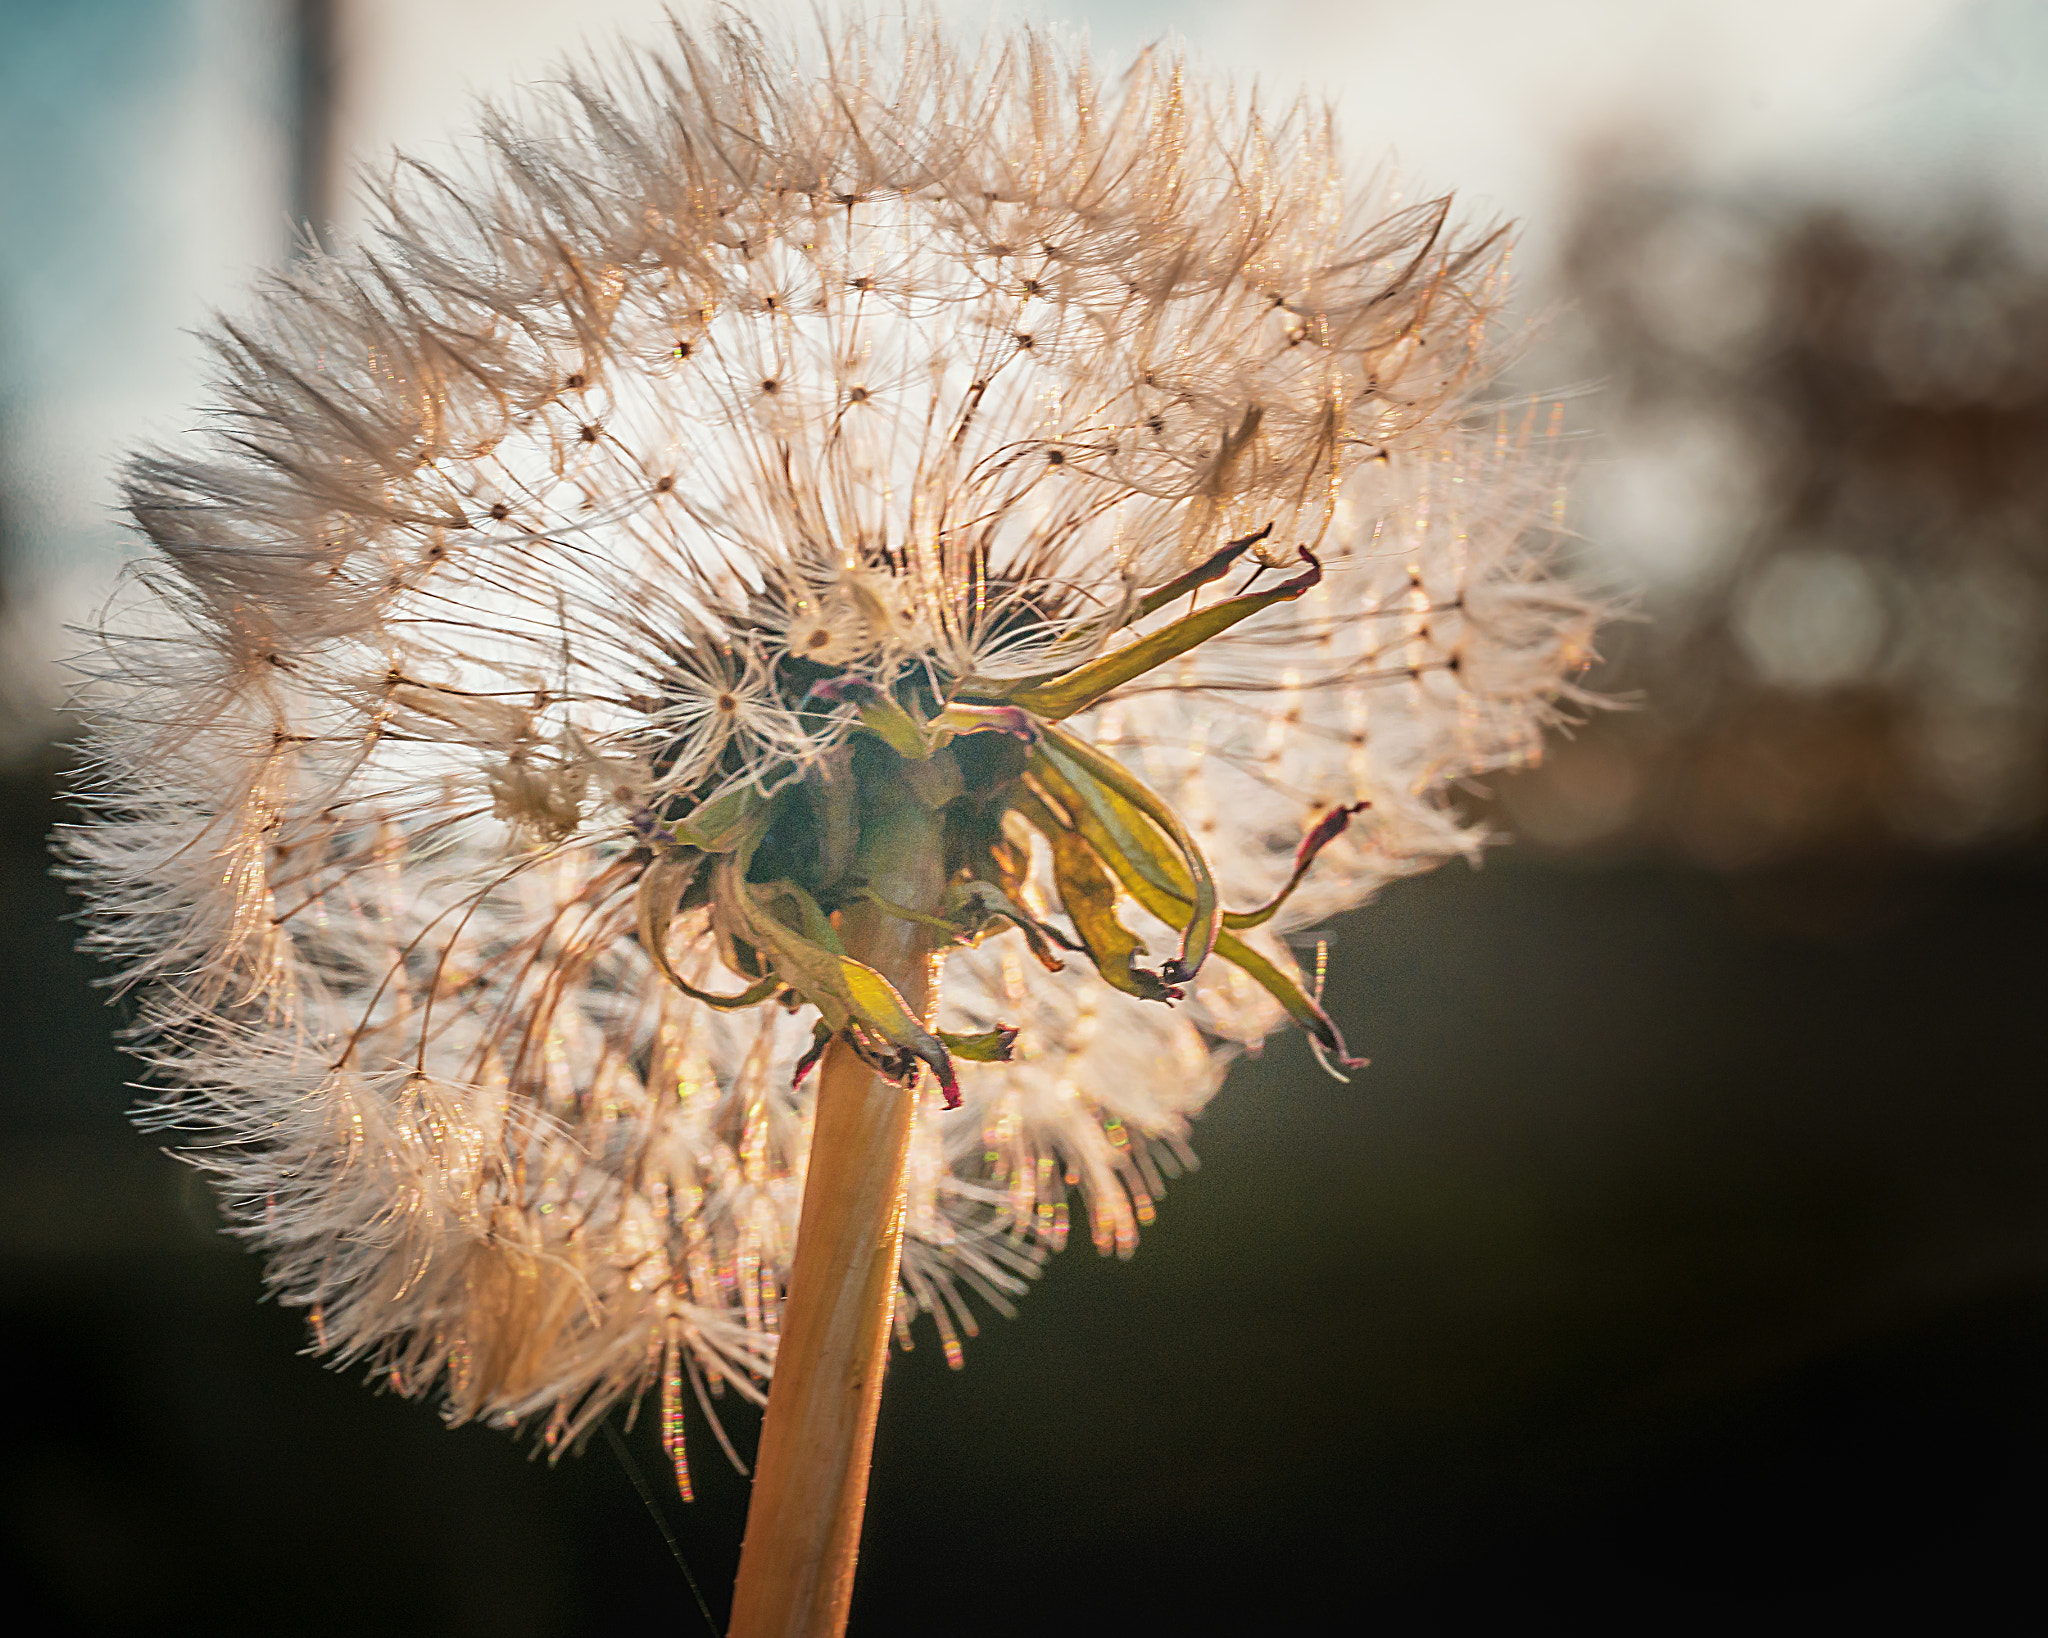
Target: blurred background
<point>1684,1253</point>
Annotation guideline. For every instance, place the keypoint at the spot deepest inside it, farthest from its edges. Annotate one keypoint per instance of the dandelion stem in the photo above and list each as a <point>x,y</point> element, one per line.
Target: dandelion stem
<point>811,1477</point>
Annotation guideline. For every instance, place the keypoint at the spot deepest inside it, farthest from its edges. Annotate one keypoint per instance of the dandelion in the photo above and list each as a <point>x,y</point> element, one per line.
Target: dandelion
<point>799,523</point>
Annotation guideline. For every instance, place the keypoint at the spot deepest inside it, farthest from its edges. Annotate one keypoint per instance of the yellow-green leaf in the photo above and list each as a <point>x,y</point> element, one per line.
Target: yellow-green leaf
<point>982,719</point>
<point>880,714</point>
<point>662,886</point>
<point>807,956</point>
<point>726,822</point>
<point>1085,684</point>
<point>986,1047</point>
<point>1156,889</point>
<point>1088,894</point>
<point>878,1006</point>
<point>1213,567</point>
<point>1141,819</point>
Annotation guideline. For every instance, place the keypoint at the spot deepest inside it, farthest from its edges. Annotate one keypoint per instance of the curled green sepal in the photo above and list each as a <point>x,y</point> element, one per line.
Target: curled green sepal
<point>724,824</point>
<point>1141,822</point>
<point>662,886</point>
<point>797,941</point>
<point>821,1038</point>
<point>902,912</point>
<point>1088,893</point>
<point>1085,684</point>
<point>984,719</point>
<point>971,907</point>
<point>1320,835</point>
<point>880,715</point>
<point>1213,567</point>
<point>877,1005</point>
<point>975,904</point>
<point>992,1046</point>
<point>1124,827</point>
<point>1299,1005</point>
<point>1159,882</point>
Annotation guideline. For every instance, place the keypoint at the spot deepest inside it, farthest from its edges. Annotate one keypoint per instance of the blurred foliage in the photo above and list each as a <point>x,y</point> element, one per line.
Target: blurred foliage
<point>1829,470</point>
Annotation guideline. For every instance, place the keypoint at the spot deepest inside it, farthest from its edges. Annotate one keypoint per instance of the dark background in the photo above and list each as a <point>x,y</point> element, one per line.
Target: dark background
<point>1683,1254</point>
<point>1682,1257</point>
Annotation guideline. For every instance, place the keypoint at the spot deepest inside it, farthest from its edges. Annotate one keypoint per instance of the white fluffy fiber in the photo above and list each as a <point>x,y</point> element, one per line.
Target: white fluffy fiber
<point>870,348</point>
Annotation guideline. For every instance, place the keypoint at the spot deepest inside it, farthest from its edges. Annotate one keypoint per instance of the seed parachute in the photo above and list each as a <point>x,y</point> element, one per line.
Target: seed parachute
<point>764,448</point>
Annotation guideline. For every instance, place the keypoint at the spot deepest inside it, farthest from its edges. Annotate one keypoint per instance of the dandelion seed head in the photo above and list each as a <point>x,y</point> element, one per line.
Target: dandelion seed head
<point>741,387</point>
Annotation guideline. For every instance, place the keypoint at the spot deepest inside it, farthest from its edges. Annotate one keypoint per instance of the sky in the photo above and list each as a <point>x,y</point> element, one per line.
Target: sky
<point>1498,99</point>
<point>143,187</point>
<point>147,179</point>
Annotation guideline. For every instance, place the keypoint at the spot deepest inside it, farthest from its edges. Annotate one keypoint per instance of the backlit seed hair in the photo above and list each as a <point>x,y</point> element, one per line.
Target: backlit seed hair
<point>480,706</point>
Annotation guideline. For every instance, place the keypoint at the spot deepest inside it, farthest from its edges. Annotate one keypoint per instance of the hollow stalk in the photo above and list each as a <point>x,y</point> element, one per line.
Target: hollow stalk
<point>811,1475</point>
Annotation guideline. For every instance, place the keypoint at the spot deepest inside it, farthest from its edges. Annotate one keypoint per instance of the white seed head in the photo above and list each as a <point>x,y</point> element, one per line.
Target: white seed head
<point>527,527</point>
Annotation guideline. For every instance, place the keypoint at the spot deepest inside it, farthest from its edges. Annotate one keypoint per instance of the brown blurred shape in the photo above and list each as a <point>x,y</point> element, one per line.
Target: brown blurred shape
<point>1856,664</point>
